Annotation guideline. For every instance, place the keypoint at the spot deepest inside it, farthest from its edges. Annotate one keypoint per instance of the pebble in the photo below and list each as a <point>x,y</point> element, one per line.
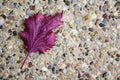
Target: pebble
<point>1,26</point>
<point>16,58</point>
<point>35,1</point>
<point>75,6</point>
<point>85,17</point>
<point>29,12</point>
<point>67,2</point>
<point>2,21</point>
<point>3,16</point>
<point>44,69</point>
<point>84,65</point>
<point>84,28</point>
<point>49,67</point>
<point>58,58</point>
<point>105,21</point>
<point>102,25</point>
<point>14,33</point>
<point>32,7</point>
<point>79,19</point>
<point>10,17</point>
<point>117,4</point>
<point>91,29</point>
<point>63,65</point>
<point>105,16</point>
<point>93,16</point>
<point>30,64</point>
<point>53,70</point>
<point>91,62</point>
<point>49,1</point>
<point>64,70</point>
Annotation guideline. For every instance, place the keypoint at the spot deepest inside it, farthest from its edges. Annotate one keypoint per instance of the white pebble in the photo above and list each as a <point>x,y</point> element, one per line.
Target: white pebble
<point>93,16</point>
<point>1,21</point>
<point>44,69</point>
<point>84,65</point>
<point>29,12</point>
<point>36,1</point>
<point>64,70</point>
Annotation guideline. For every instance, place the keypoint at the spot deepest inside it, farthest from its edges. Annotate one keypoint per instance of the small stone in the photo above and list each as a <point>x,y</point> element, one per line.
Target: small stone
<point>104,21</point>
<point>62,66</point>
<point>15,4</point>
<point>79,58</point>
<point>1,21</point>
<point>105,16</point>
<point>64,70</point>
<point>84,65</point>
<point>14,33</point>
<point>29,12</point>
<point>93,16</point>
<point>14,54</point>
<point>117,59</point>
<point>53,70</point>
<point>106,40</point>
<point>49,1</point>
<point>64,55</point>
<point>58,58</point>
<point>30,64</point>
<point>117,4</point>
<point>90,29</point>
<point>104,29</point>
<point>10,17</point>
<point>91,2</point>
<point>75,6</point>
<point>32,7</point>
<point>2,15</point>
<point>91,62</point>
<point>44,69</point>
<point>26,70</point>
<point>49,67</point>
<point>102,25</point>
<point>85,17</point>
<point>118,55</point>
<point>79,75</point>
<point>118,78</point>
<point>8,57</point>
<point>67,2</point>
<point>11,68</point>
<point>106,2</point>
<point>35,1</point>
<point>1,77</point>
<point>84,28</point>
<point>79,19</point>
<point>104,74</point>
<point>16,58</point>
<point>1,26</point>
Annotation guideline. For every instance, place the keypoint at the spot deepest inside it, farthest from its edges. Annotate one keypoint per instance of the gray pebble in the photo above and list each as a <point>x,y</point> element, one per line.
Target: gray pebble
<point>64,70</point>
<point>1,21</point>
<point>79,19</point>
<point>29,12</point>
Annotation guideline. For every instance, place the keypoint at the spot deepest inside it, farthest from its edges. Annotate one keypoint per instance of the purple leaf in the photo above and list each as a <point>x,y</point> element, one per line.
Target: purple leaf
<point>38,34</point>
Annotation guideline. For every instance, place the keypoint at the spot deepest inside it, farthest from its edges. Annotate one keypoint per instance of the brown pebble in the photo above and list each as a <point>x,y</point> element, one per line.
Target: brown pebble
<point>10,76</point>
<point>85,17</point>
<point>118,55</point>
<point>30,64</point>
<point>32,7</point>
<point>106,40</point>
<point>105,16</point>
<point>9,30</point>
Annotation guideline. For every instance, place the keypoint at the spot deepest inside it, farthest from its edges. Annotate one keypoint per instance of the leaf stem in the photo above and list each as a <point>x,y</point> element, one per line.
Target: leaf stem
<point>24,60</point>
